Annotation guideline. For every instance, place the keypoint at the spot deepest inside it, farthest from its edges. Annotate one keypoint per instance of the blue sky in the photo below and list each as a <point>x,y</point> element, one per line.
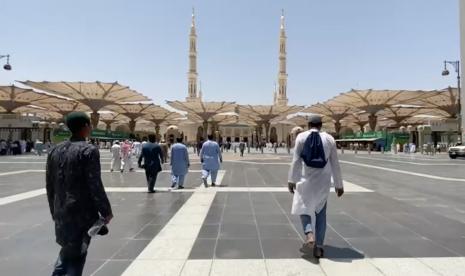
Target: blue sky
<point>333,45</point>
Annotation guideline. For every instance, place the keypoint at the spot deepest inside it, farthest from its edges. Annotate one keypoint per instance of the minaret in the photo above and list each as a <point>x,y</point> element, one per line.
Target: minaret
<point>192,74</point>
<point>281,98</point>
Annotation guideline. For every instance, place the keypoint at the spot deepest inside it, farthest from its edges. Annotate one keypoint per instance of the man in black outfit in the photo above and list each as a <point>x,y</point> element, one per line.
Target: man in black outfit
<point>152,155</point>
<point>75,195</point>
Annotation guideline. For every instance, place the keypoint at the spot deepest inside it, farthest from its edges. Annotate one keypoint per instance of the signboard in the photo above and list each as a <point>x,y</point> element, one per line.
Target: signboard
<point>60,135</point>
<point>359,135</point>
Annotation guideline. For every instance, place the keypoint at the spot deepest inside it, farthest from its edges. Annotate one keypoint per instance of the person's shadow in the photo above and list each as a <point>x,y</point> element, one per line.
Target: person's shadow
<point>338,254</point>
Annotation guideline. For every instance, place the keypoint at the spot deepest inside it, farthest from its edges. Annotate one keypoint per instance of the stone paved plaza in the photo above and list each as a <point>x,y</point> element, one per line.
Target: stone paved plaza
<point>401,215</point>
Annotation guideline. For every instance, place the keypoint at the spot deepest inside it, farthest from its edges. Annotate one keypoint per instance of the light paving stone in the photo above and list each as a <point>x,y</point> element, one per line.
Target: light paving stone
<point>154,267</point>
<point>167,249</point>
<point>348,267</point>
<point>197,268</point>
<point>292,267</point>
<point>180,231</point>
<point>402,266</point>
<point>241,267</point>
<point>450,266</point>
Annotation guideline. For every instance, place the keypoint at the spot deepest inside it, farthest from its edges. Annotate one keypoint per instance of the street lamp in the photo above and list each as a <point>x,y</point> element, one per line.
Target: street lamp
<point>445,72</point>
<point>7,66</point>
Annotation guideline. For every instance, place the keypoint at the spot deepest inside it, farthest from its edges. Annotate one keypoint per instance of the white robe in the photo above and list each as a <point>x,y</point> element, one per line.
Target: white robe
<point>312,187</point>
<point>115,157</point>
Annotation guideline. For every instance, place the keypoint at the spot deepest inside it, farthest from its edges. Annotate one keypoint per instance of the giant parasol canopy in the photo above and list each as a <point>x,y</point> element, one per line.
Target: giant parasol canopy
<point>95,95</point>
<point>334,111</point>
<point>203,112</point>
<point>134,111</point>
<point>373,101</point>
<point>161,115</point>
<point>263,115</point>
<point>13,97</point>
<point>109,118</point>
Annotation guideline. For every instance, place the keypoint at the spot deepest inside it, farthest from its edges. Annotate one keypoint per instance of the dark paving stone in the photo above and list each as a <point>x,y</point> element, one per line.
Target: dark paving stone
<point>149,231</point>
<point>92,266</point>
<point>278,248</point>
<point>277,231</point>
<point>239,209</point>
<point>209,231</point>
<point>213,218</point>
<point>102,248</point>
<point>238,249</point>
<point>353,230</point>
<point>241,231</point>
<point>421,248</point>
<point>131,249</point>
<point>264,219</point>
<point>203,249</point>
<point>374,247</point>
<point>113,268</point>
<point>238,218</point>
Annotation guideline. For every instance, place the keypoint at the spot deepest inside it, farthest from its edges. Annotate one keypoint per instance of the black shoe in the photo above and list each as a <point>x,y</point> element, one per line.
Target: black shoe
<point>213,184</point>
<point>151,192</point>
<point>122,171</point>
<point>180,187</point>
<point>318,252</point>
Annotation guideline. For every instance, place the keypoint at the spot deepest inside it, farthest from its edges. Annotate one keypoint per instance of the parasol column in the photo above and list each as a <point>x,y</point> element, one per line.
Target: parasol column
<point>267,131</point>
<point>205,129</point>
<point>372,120</point>
<point>132,125</point>
<point>157,131</point>
<point>94,118</point>
<point>337,127</point>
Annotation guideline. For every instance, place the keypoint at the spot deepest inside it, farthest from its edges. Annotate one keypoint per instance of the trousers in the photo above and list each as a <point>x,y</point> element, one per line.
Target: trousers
<point>151,176</point>
<point>212,173</point>
<point>68,264</point>
<point>319,227</point>
<point>177,180</point>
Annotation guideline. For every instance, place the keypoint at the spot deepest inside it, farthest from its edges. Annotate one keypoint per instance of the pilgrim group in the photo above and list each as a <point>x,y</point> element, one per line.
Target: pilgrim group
<point>151,155</point>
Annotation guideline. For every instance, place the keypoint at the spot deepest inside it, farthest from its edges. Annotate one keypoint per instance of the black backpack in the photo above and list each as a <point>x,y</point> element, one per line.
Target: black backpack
<point>313,153</point>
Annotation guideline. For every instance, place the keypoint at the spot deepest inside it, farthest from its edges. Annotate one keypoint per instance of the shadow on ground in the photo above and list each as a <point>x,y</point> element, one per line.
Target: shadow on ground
<point>338,254</point>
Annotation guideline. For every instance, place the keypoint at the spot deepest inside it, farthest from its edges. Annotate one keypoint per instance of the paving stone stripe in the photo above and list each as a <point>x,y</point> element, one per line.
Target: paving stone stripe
<point>410,162</point>
<point>403,172</point>
<point>169,250</point>
<point>348,187</point>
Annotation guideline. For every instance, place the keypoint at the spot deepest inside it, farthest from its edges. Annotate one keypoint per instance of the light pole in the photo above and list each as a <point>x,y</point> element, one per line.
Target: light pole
<point>7,66</point>
<point>445,72</point>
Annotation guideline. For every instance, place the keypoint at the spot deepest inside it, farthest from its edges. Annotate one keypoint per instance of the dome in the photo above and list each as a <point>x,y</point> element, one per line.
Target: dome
<point>296,130</point>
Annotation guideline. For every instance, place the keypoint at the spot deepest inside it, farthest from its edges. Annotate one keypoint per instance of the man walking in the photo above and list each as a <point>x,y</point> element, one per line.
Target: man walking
<point>115,163</point>
<point>311,190</point>
<point>152,156</point>
<point>210,157</point>
<point>126,158</point>
<point>179,163</point>
<point>75,195</point>
<point>242,147</point>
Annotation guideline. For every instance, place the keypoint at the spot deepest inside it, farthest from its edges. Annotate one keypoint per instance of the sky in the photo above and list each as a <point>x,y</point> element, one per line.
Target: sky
<point>333,45</point>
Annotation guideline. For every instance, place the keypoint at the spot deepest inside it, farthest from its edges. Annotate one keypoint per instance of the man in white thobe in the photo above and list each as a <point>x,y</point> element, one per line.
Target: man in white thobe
<point>311,189</point>
<point>210,157</point>
<point>126,160</point>
<point>137,148</point>
<point>115,157</point>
